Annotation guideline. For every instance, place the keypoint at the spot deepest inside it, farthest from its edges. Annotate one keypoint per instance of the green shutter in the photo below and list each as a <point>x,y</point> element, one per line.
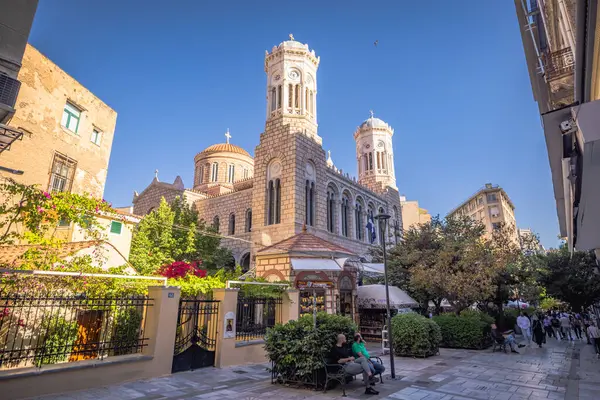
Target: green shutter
<point>115,227</point>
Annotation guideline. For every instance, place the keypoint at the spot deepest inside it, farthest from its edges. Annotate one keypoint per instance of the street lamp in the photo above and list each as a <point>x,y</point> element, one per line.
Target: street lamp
<point>383,220</point>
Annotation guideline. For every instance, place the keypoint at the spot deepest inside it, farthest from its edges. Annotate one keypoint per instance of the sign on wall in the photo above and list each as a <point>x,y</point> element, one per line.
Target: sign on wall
<point>314,284</point>
<point>229,328</point>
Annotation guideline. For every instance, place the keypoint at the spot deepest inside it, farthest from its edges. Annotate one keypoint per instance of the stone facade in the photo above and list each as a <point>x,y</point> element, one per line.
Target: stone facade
<point>80,155</point>
<point>291,183</point>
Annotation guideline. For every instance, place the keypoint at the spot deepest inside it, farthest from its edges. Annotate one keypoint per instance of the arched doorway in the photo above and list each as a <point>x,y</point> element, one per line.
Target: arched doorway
<point>245,262</point>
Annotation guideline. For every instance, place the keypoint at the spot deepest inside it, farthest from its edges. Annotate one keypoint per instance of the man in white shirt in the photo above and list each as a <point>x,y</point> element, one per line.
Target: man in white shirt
<point>525,324</point>
<point>594,336</point>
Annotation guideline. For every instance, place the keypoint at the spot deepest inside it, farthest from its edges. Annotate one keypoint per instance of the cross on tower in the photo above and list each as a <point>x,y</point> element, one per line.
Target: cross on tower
<point>372,113</point>
<point>227,135</point>
<point>291,37</point>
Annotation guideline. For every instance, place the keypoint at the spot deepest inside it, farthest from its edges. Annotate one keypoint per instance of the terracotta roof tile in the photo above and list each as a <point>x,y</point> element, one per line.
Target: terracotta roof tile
<point>305,242</point>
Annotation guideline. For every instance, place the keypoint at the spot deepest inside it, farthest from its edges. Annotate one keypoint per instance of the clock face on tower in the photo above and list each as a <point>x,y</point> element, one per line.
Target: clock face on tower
<point>294,75</point>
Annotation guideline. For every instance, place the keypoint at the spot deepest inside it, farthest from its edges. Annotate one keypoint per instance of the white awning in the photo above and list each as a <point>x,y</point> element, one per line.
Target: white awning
<point>315,264</point>
<point>373,268</point>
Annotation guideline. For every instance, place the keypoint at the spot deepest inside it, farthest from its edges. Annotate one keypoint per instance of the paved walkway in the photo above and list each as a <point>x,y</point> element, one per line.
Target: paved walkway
<point>559,371</point>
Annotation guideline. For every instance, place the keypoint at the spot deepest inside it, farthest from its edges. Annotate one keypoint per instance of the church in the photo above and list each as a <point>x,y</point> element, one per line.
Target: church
<point>288,213</point>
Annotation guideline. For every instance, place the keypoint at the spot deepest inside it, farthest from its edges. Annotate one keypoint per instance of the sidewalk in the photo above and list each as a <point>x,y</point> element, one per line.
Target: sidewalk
<point>560,370</point>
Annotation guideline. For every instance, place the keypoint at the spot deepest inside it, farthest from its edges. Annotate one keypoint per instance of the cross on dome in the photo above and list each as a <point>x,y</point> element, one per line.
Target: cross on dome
<point>227,135</point>
<point>372,113</point>
<point>156,173</point>
<point>291,36</point>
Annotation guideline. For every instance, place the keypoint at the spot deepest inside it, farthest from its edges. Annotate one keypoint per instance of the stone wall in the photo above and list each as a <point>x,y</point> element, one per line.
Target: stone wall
<point>45,89</point>
<point>235,203</point>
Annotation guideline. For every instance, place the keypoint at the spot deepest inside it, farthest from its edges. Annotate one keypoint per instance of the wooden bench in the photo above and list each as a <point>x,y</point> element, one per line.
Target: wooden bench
<point>335,372</point>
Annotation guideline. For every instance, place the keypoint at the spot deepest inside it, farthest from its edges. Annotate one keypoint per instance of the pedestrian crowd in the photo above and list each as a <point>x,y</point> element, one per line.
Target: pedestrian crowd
<point>560,326</point>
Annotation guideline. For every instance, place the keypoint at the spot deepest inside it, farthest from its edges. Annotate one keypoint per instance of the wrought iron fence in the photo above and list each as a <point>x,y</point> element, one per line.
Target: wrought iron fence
<point>50,329</point>
<point>255,315</point>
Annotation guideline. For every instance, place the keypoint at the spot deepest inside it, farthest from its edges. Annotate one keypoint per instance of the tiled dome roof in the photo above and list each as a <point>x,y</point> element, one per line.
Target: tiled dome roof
<point>374,123</point>
<point>225,147</point>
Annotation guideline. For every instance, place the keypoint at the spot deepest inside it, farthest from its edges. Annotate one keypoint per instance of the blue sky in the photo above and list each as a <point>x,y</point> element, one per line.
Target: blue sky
<point>449,76</point>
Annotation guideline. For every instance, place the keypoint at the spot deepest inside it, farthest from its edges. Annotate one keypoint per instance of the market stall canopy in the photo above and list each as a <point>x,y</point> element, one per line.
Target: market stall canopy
<point>445,304</point>
<point>373,296</point>
<point>373,268</point>
<point>315,264</point>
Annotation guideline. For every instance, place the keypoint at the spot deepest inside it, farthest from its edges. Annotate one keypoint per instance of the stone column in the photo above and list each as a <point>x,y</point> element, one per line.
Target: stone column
<point>161,326</point>
<point>225,348</point>
<point>337,217</point>
<point>290,307</point>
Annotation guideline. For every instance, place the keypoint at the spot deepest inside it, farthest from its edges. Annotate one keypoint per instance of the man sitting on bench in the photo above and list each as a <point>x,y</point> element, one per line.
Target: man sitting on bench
<point>341,354</point>
<point>509,339</point>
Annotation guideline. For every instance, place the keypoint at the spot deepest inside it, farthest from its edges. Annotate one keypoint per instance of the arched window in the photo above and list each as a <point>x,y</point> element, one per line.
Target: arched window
<point>330,210</point>
<point>231,173</point>
<point>214,174</point>
<point>345,210</point>
<point>370,161</point>
<point>279,96</point>
<point>215,223</point>
<point>248,220</point>
<point>231,230</point>
<point>245,173</point>
<point>358,221</point>
<point>309,210</point>
<point>201,174</point>
<point>273,99</point>
<point>290,95</point>
<point>274,193</point>
<point>366,162</point>
<point>297,94</point>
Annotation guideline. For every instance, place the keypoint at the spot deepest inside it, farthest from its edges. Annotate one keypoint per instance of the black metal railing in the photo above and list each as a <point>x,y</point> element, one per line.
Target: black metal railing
<point>9,89</point>
<point>255,316</point>
<point>559,63</point>
<point>38,330</point>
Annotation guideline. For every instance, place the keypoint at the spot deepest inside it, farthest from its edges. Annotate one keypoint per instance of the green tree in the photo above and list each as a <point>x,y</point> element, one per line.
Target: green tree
<point>572,278</point>
<point>175,233</point>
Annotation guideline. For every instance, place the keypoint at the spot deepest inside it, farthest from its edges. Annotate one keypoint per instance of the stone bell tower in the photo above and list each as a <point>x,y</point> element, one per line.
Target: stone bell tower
<point>375,155</point>
<point>289,162</point>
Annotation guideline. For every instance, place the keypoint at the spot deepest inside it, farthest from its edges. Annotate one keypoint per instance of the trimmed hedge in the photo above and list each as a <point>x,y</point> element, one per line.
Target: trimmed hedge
<point>415,336</point>
<point>470,330</point>
<point>297,349</point>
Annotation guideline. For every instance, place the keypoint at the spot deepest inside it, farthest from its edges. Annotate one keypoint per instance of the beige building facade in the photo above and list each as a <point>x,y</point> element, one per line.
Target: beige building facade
<point>412,214</point>
<point>291,190</point>
<point>492,207</point>
<point>67,132</point>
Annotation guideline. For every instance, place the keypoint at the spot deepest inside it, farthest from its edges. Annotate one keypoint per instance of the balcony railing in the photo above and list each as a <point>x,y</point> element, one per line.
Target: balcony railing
<point>559,64</point>
<point>9,89</point>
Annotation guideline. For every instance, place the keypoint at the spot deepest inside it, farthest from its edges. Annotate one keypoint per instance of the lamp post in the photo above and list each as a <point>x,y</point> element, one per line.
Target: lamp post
<point>383,220</point>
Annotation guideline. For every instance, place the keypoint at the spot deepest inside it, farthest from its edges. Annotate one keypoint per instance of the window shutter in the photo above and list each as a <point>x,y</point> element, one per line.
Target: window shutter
<point>115,227</point>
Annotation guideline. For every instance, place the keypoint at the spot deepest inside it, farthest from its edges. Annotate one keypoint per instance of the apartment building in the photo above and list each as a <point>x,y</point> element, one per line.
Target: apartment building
<point>562,49</point>
<point>491,206</point>
<point>67,132</point>
<point>412,214</point>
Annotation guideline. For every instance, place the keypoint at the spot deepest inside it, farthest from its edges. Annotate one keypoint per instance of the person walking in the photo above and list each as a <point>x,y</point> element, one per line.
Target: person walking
<point>594,336</point>
<point>548,326</point>
<point>576,325</point>
<point>538,331</point>
<point>525,324</point>
<point>565,327</point>
<point>555,323</point>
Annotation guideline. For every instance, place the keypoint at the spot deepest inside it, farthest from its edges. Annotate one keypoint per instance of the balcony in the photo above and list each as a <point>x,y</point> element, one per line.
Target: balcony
<point>559,64</point>
<point>8,136</point>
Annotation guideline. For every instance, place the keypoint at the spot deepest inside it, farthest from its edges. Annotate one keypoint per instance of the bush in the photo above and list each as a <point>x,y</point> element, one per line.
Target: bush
<point>58,344</point>
<point>470,330</point>
<point>297,349</point>
<point>415,335</point>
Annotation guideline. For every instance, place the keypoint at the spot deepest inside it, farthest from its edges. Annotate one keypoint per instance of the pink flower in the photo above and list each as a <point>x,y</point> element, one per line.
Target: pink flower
<point>97,209</point>
<point>40,209</point>
<point>47,195</point>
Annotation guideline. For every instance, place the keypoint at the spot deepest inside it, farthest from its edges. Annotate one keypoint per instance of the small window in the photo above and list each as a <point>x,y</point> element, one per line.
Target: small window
<point>70,118</point>
<point>96,136</point>
<point>231,173</point>
<point>115,227</point>
<point>61,173</point>
<point>214,175</point>
<point>495,226</point>
<point>491,198</point>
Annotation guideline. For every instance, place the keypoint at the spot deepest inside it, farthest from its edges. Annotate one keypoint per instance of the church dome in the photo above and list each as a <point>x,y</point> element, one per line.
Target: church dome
<point>225,147</point>
<point>374,123</point>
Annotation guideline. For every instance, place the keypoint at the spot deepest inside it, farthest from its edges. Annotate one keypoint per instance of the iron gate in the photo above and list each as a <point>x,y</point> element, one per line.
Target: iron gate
<point>196,336</point>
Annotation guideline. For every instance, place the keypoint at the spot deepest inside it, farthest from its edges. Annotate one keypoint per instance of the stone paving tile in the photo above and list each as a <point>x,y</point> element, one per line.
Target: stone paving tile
<point>551,373</point>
